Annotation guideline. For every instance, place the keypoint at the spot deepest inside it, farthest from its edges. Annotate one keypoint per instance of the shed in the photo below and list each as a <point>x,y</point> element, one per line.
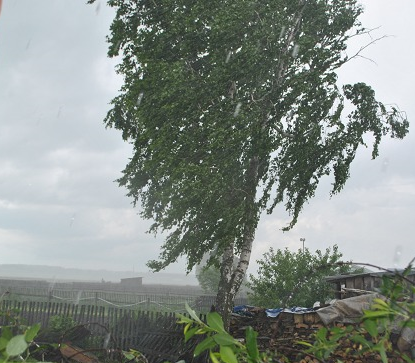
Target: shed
<point>132,282</point>
<point>348,285</point>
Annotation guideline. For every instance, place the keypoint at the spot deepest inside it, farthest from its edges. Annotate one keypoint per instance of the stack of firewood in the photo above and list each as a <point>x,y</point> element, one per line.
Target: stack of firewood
<point>280,336</point>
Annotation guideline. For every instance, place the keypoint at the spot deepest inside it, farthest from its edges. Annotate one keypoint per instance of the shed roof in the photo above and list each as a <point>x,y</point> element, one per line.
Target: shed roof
<point>379,274</point>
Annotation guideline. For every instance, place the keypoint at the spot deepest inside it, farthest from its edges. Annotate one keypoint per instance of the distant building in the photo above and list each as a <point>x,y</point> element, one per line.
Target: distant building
<point>132,283</point>
<point>348,285</point>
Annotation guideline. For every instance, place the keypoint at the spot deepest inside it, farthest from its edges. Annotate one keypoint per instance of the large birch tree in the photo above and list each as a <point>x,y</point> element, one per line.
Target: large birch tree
<point>234,107</point>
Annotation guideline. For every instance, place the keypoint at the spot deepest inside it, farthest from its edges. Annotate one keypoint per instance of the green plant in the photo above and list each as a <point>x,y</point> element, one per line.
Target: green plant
<point>326,342</point>
<point>11,318</point>
<point>61,323</point>
<point>15,347</point>
<point>134,356</point>
<point>221,346</point>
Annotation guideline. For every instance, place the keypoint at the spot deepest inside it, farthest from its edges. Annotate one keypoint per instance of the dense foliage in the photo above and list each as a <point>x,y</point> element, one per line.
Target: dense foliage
<point>286,278</point>
<point>232,107</point>
<point>208,276</point>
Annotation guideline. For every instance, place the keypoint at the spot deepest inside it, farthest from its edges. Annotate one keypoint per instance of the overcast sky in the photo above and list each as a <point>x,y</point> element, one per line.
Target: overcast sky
<point>59,204</point>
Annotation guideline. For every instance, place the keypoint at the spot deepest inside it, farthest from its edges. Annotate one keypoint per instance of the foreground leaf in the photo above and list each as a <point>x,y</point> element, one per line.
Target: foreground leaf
<point>371,327</point>
<point>227,354</point>
<point>16,346</point>
<point>31,332</point>
<point>251,343</point>
<point>224,339</point>
<point>205,344</point>
<point>215,321</point>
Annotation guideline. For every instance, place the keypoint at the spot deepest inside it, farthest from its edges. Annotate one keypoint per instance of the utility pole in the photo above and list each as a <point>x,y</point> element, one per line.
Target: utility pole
<point>302,240</point>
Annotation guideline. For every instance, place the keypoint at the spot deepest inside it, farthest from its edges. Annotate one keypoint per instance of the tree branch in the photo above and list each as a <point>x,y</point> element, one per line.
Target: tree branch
<point>357,54</point>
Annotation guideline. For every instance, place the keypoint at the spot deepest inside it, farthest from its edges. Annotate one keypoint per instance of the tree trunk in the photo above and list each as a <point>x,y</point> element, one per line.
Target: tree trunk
<point>231,277</point>
<point>224,298</point>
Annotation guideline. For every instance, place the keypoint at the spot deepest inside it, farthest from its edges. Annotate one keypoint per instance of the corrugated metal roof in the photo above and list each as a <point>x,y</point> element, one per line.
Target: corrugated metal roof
<point>365,274</point>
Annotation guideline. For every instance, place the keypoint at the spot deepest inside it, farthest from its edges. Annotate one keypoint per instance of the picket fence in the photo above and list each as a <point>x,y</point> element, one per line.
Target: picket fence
<point>155,334</point>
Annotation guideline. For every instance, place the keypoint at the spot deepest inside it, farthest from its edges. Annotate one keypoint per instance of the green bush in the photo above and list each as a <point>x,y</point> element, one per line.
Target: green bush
<point>286,278</point>
<point>60,323</point>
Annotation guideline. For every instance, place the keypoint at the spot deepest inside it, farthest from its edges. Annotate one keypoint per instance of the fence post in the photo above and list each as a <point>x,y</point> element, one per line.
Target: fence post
<point>148,303</point>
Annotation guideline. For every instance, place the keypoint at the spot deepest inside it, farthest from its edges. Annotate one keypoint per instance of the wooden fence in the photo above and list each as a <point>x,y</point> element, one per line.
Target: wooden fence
<point>155,334</point>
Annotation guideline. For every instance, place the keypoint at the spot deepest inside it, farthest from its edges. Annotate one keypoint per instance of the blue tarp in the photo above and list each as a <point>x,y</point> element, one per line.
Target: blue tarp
<point>273,313</point>
<point>243,310</point>
<point>246,310</point>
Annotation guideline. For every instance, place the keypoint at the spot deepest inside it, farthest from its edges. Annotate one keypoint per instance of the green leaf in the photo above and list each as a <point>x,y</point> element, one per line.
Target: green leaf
<point>6,333</point>
<point>380,302</point>
<point>307,344</point>
<point>16,346</point>
<point>378,307</point>
<point>3,343</point>
<point>251,343</point>
<point>31,332</point>
<point>376,314</point>
<point>184,319</point>
<point>406,358</point>
<point>215,321</point>
<point>190,333</point>
<point>213,357</point>
<point>205,344</point>
<point>192,313</point>
<point>361,340</point>
<point>371,327</point>
<point>382,353</point>
<point>187,327</point>
<point>224,339</point>
<point>128,355</point>
<point>409,324</point>
<point>321,334</point>
<point>227,354</point>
